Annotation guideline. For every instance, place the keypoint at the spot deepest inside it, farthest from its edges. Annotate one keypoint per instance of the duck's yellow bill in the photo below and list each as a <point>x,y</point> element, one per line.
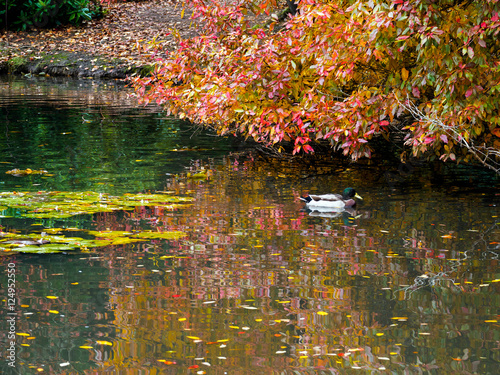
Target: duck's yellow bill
<point>358,196</point>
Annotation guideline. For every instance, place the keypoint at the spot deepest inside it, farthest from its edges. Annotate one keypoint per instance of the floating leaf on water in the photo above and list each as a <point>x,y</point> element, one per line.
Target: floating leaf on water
<point>322,313</point>
<point>102,342</point>
<point>52,297</point>
<point>249,307</point>
<point>166,362</point>
<point>22,334</point>
<point>172,235</point>
<point>53,311</point>
<point>86,347</point>
<point>25,172</point>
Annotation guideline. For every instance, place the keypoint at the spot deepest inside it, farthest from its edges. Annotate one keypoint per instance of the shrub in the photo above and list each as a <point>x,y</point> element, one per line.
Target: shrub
<point>27,14</point>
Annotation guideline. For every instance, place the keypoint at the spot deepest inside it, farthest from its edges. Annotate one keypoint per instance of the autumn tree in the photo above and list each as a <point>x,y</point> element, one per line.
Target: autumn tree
<point>341,72</point>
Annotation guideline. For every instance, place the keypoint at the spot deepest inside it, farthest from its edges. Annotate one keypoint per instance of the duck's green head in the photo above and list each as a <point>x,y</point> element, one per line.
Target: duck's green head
<point>350,193</point>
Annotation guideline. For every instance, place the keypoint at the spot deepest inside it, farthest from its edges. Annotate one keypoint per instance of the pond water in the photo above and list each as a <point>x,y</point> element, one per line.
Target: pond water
<point>407,283</point>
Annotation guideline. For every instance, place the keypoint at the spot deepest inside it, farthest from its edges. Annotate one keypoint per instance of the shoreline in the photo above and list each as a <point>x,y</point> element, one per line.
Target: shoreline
<point>74,65</point>
<point>103,48</point>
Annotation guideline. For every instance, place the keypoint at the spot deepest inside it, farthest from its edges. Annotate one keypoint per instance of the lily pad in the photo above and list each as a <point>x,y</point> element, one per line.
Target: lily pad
<point>45,243</point>
<point>57,204</point>
<point>61,205</point>
<point>121,237</point>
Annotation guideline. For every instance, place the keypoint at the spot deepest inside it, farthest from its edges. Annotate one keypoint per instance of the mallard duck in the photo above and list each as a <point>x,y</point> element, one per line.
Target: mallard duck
<point>333,201</point>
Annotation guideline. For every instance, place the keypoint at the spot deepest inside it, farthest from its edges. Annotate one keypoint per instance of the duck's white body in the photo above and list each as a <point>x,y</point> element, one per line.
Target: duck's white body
<point>333,202</point>
<point>327,201</point>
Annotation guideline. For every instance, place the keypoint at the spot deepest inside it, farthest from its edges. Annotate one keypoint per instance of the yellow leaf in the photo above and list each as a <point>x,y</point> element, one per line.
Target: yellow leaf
<point>193,337</point>
<point>52,297</point>
<point>22,334</point>
<point>322,313</point>
<point>101,342</point>
<point>404,74</point>
<point>86,347</point>
<point>53,311</point>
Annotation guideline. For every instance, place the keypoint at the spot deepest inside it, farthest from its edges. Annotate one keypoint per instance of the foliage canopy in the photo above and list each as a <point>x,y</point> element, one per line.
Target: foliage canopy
<point>26,14</point>
<point>342,71</point>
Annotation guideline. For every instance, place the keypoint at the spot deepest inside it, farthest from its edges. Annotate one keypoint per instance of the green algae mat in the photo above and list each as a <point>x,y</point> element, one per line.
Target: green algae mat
<point>62,205</point>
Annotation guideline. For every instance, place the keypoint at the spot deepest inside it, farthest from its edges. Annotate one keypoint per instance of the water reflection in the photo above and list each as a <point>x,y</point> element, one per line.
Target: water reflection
<point>92,136</point>
<point>408,283</point>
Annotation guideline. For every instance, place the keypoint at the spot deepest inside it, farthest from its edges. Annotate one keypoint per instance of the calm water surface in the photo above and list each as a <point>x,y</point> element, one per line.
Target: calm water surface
<point>408,283</point>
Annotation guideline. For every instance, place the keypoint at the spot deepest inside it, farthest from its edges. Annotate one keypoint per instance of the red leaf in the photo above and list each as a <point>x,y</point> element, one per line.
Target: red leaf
<point>416,92</point>
<point>428,140</point>
<point>308,148</point>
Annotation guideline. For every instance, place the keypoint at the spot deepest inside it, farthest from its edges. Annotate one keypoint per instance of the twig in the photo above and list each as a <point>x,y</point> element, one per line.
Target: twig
<point>485,155</point>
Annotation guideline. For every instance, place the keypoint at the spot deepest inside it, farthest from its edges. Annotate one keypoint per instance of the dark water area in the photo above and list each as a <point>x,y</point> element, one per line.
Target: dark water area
<point>406,283</point>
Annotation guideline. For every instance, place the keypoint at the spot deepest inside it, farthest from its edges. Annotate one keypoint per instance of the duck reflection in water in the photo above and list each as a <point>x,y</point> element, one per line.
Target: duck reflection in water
<point>348,214</point>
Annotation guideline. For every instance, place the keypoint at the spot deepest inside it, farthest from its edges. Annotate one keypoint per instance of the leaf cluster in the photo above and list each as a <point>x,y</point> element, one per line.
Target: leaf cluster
<point>342,72</point>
